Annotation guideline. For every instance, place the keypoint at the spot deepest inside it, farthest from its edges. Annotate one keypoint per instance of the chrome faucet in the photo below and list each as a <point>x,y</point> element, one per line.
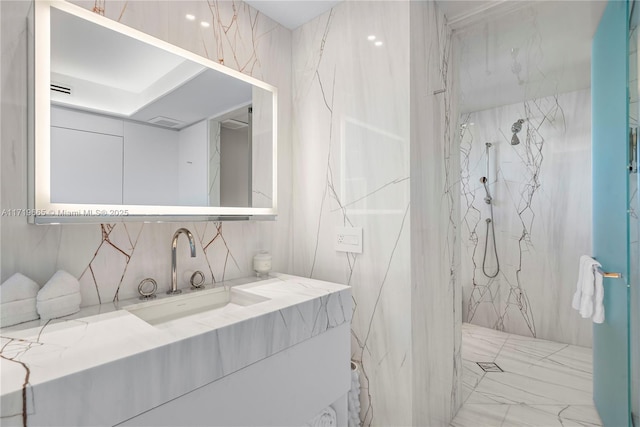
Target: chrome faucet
<point>174,243</point>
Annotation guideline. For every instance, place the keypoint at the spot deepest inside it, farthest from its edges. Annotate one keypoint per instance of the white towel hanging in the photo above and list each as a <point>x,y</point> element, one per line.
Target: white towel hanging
<point>589,285</point>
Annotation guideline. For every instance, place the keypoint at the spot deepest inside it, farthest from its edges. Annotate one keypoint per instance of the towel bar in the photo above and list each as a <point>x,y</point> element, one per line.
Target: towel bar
<point>608,274</point>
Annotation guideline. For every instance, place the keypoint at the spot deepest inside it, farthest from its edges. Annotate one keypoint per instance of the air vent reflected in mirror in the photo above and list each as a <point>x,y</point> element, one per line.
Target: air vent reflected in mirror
<point>166,122</point>
<point>57,87</point>
<point>234,124</point>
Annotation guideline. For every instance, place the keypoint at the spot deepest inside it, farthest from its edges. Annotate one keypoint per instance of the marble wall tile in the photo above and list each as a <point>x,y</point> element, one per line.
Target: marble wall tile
<point>350,116</point>
<point>111,259</point>
<point>435,201</point>
<point>354,137</point>
<point>541,192</point>
<point>214,163</point>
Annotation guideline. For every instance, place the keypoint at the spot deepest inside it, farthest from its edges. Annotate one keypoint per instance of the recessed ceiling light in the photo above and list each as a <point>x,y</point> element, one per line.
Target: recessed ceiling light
<point>371,38</point>
<point>205,24</point>
<point>190,17</point>
<point>378,43</point>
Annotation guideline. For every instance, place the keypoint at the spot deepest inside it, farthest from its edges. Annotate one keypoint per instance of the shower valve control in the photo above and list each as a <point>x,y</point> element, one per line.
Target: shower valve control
<point>349,239</point>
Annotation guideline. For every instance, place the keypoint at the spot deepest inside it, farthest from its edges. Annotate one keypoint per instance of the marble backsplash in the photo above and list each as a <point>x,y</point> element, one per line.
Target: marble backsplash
<point>541,192</point>
<point>111,259</point>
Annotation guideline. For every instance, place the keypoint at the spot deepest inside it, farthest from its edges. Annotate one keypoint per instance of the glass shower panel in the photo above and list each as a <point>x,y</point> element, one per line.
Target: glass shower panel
<point>611,221</point>
<point>634,211</point>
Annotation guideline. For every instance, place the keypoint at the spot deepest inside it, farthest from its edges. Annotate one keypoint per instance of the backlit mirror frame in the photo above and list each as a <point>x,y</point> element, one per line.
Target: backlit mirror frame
<point>42,210</point>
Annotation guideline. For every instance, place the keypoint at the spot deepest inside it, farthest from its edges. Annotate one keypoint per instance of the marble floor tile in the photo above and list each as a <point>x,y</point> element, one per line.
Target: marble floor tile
<point>481,344</point>
<point>544,383</point>
<point>480,415</point>
<point>550,363</point>
<point>471,376</point>
<point>551,416</point>
<point>510,388</point>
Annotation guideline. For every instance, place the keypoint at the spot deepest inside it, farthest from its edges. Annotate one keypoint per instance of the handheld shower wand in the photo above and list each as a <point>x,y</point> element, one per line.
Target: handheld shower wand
<point>488,197</point>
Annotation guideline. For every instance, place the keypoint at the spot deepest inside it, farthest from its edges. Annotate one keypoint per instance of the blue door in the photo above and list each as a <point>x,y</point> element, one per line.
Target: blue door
<point>610,124</point>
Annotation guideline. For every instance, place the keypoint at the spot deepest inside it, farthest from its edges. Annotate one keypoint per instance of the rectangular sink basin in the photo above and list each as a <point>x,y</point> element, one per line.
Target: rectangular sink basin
<point>175,307</point>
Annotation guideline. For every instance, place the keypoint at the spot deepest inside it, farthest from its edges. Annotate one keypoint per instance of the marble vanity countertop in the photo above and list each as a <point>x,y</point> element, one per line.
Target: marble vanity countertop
<point>105,365</point>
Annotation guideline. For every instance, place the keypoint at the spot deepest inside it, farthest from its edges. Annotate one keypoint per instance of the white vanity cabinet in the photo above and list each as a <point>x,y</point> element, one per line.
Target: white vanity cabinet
<point>277,362</point>
<point>287,389</point>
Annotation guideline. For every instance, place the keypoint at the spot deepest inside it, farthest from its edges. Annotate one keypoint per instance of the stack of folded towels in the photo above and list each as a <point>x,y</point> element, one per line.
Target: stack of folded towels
<point>18,300</point>
<point>60,296</point>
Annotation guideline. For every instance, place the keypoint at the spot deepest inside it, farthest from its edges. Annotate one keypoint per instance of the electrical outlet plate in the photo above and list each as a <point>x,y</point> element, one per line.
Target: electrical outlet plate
<point>349,239</point>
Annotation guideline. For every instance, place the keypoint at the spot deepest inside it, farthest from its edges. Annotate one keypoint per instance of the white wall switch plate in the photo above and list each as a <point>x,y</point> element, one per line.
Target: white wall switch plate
<point>349,239</point>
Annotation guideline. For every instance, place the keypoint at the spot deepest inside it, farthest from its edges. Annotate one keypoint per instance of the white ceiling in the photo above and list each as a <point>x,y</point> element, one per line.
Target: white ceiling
<point>460,12</point>
<point>526,50</point>
<point>292,13</point>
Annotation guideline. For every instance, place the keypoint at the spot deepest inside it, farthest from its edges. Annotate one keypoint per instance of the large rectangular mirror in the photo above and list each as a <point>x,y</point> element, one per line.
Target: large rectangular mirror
<point>130,127</point>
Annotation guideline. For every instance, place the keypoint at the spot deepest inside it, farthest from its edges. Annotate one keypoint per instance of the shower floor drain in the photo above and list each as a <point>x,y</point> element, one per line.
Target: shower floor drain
<point>489,367</point>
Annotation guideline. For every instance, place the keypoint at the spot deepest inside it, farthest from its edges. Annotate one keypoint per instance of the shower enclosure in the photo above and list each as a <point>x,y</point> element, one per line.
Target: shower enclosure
<point>535,113</point>
<point>561,176</point>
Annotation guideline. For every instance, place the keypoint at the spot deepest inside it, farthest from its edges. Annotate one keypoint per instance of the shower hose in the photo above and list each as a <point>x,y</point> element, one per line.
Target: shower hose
<point>486,246</point>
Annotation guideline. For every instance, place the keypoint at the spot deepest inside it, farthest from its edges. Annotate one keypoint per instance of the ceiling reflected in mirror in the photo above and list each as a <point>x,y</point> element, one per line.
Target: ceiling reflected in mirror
<point>103,71</point>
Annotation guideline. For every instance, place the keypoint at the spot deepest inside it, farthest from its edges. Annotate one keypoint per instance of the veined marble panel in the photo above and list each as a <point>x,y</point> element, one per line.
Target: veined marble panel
<point>351,163</point>
<point>435,202</point>
<point>111,259</point>
<point>541,192</point>
<point>355,126</point>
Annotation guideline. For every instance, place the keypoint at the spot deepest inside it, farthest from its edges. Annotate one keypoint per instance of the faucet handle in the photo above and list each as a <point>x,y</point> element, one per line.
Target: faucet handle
<point>197,280</point>
<point>150,291</point>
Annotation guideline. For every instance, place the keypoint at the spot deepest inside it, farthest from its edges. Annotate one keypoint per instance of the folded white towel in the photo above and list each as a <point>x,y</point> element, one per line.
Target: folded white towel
<point>59,307</point>
<point>598,313</point>
<point>18,287</point>
<point>326,418</point>
<point>60,284</point>
<point>12,313</point>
